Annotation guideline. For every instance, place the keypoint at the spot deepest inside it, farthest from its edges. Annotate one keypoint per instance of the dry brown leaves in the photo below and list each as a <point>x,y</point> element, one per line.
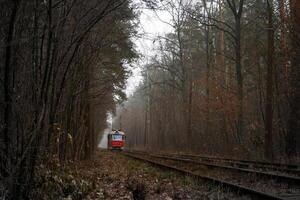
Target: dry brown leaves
<point>111,175</point>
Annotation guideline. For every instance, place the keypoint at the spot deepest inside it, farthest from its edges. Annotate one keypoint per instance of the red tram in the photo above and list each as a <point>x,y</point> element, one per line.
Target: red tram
<point>116,140</point>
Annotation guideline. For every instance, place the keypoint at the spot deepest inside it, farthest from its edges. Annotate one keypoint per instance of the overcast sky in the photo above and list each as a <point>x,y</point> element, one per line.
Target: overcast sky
<point>150,27</point>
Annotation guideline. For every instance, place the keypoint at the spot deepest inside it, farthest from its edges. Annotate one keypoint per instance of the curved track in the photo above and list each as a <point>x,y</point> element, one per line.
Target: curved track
<point>234,180</point>
<point>281,177</point>
<point>261,165</point>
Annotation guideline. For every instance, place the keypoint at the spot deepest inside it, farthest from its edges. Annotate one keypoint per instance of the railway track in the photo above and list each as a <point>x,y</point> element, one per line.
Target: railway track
<point>258,184</point>
<point>261,165</point>
<point>275,175</point>
<point>277,169</point>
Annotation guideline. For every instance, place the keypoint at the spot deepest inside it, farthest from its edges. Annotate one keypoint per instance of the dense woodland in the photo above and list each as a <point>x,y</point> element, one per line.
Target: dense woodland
<point>62,68</point>
<point>224,82</point>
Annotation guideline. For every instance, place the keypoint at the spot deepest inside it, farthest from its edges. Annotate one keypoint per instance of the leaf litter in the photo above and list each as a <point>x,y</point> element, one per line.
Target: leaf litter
<point>111,175</point>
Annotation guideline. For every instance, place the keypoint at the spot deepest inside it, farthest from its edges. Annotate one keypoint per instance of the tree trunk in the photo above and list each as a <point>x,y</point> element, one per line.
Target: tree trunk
<point>293,138</point>
<point>207,32</point>
<point>269,92</point>
<point>237,10</point>
<point>190,103</point>
<point>7,82</point>
<point>239,77</point>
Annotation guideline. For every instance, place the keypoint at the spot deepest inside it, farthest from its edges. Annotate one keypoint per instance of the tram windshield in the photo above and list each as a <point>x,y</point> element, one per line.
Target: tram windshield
<point>117,137</point>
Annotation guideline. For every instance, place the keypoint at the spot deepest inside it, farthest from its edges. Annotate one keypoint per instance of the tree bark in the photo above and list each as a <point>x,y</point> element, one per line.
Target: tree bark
<point>293,138</point>
<point>239,77</point>
<point>7,82</point>
<point>269,92</point>
<point>237,10</point>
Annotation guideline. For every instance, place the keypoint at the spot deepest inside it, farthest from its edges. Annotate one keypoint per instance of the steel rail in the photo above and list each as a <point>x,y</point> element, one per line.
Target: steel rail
<point>247,164</point>
<point>289,179</point>
<point>235,187</point>
<point>292,167</point>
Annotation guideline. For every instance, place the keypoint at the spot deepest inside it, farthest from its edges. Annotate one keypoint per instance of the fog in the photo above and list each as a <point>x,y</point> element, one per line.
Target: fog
<point>103,141</point>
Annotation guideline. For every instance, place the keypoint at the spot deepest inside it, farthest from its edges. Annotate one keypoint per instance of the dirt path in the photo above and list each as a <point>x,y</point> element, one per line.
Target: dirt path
<point>113,176</point>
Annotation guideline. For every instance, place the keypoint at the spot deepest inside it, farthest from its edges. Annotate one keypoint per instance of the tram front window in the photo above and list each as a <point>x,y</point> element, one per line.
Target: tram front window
<point>117,137</point>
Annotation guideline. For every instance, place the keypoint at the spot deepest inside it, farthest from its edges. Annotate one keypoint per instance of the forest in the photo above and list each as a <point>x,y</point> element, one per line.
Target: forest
<point>225,81</point>
<point>62,69</point>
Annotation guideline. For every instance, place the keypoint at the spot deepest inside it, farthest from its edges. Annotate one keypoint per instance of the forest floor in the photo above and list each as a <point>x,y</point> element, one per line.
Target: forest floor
<point>111,175</point>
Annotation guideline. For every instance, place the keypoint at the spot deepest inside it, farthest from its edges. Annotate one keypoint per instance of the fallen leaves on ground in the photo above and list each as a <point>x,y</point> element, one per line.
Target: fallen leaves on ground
<point>111,175</point>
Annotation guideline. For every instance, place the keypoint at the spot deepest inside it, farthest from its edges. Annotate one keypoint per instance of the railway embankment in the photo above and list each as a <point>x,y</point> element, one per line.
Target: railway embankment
<point>111,175</point>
